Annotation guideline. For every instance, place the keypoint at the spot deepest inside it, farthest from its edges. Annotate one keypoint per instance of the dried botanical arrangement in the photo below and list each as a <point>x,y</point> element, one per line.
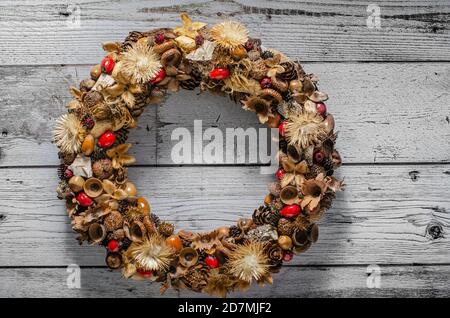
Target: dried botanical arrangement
<point>104,206</point>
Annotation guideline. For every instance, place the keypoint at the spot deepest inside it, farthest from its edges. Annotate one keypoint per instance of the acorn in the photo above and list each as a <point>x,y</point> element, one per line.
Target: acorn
<point>76,183</point>
<point>96,71</point>
<point>143,205</point>
<point>175,242</point>
<point>130,189</point>
<point>285,242</point>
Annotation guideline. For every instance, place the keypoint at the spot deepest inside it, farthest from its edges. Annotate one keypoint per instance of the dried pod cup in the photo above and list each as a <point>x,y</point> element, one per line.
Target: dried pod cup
<point>289,195</point>
<point>97,233</point>
<point>302,249</point>
<point>313,233</point>
<point>137,231</point>
<point>93,187</point>
<point>300,238</point>
<point>113,260</point>
<point>188,257</point>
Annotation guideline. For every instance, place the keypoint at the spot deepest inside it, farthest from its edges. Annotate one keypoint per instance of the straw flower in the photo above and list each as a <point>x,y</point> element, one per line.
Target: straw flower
<point>229,34</point>
<point>69,134</point>
<point>151,254</point>
<point>119,156</point>
<point>248,262</point>
<point>305,129</point>
<point>140,63</point>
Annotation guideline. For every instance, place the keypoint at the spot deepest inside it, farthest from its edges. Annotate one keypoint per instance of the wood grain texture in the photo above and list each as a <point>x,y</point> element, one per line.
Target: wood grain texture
<point>385,112</point>
<point>387,215</point>
<point>301,282</point>
<point>318,31</point>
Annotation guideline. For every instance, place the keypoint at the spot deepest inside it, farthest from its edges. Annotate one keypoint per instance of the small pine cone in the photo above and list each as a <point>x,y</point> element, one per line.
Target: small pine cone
<point>201,255</point>
<point>66,158</point>
<point>155,219</point>
<point>327,200</point>
<point>140,101</point>
<point>276,204</point>
<point>285,227</point>
<point>259,69</point>
<point>260,214</point>
<point>126,242</point>
<point>149,225</point>
<point>301,223</point>
<point>289,73</point>
<point>132,37</point>
<point>195,279</point>
<point>190,84</point>
<point>166,229</point>
<point>113,221</point>
<point>235,231</point>
<point>274,251</point>
<point>266,55</point>
<point>327,164</point>
<point>98,153</point>
<point>121,136</point>
<point>314,171</point>
<point>123,206</point>
<point>62,171</point>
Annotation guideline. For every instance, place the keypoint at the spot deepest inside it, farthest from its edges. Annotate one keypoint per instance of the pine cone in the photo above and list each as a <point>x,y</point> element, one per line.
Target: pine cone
<point>121,136</point>
<point>132,37</point>
<point>327,164</point>
<point>259,69</point>
<point>195,279</point>
<point>289,73</point>
<point>235,231</point>
<point>285,227</point>
<point>266,55</point>
<point>327,200</point>
<point>190,84</point>
<point>274,251</point>
<point>265,215</point>
<point>99,153</point>
<point>140,101</point>
<point>123,206</point>
<point>301,223</point>
<point>66,158</point>
<point>314,171</point>
<point>166,229</point>
<point>155,219</point>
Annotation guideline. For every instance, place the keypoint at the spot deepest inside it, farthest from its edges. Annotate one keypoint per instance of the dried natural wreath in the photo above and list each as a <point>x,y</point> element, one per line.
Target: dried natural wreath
<point>104,206</point>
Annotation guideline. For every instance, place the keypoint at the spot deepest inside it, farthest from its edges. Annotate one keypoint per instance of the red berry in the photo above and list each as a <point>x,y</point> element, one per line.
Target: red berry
<point>84,200</point>
<point>108,64</point>
<point>107,139</point>
<point>266,82</point>
<point>158,77</point>
<point>212,261</point>
<point>199,40</point>
<point>68,173</point>
<point>113,246</point>
<point>288,256</point>
<point>219,73</point>
<point>280,173</point>
<point>290,211</point>
<point>321,109</point>
<point>159,38</point>
<point>318,156</point>
<point>144,273</point>
<point>282,128</point>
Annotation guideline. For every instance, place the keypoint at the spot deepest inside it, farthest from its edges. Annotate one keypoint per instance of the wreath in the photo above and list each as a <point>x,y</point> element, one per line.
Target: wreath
<point>104,206</point>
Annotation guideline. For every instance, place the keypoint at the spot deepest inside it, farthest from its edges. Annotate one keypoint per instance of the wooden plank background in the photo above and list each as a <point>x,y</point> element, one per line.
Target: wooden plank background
<point>389,92</point>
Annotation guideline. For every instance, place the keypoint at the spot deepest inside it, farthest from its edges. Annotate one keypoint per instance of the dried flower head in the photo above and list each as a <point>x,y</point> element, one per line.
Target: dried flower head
<point>313,190</point>
<point>305,129</point>
<point>69,134</point>
<point>151,254</point>
<point>140,63</point>
<point>189,28</point>
<point>119,156</point>
<point>218,284</point>
<point>249,262</point>
<point>229,34</point>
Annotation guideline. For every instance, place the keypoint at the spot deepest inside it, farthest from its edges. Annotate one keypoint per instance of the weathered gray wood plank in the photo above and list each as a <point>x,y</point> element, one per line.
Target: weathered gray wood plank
<point>303,282</point>
<point>386,215</point>
<point>310,31</point>
<point>385,112</point>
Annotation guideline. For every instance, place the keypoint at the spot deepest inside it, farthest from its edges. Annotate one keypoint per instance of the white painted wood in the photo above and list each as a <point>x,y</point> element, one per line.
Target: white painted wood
<point>381,218</point>
<point>32,32</point>
<point>323,281</point>
<point>385,112</point>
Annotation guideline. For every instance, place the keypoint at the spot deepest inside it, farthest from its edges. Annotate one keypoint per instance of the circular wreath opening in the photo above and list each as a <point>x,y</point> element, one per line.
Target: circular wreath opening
<point>105,207</point>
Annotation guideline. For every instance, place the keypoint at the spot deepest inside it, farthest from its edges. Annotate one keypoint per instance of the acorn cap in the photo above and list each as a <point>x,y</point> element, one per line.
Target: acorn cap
<point>313,233</point>
<point>113,260</point>
<point>188,257</point>
<point>302,249</point>
<point>96,232</point>
<point>300,238</point>
<point>93,187</point>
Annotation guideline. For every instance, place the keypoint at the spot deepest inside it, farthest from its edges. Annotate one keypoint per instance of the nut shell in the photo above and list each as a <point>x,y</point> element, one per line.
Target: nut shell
<point>93,187</point>
<point>188,257</point>
<point>88,145</point>
<point>97,233</point>
<point>76,183</point>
